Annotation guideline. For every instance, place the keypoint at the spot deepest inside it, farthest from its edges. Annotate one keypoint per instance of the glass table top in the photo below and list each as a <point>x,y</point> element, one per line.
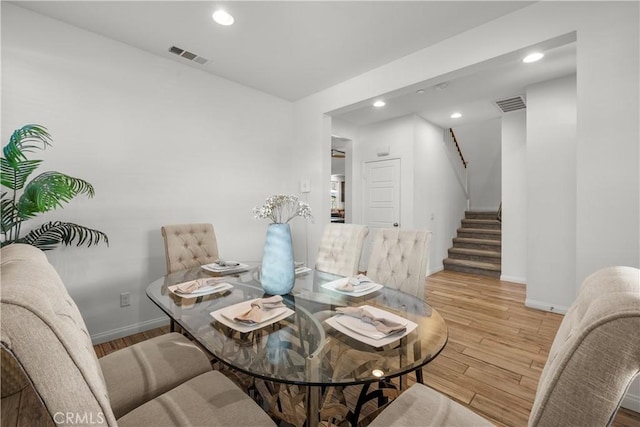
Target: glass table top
<point>304,348</point>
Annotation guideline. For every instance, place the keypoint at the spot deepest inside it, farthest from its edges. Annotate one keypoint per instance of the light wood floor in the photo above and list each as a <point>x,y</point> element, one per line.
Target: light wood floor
<point>496,351</point>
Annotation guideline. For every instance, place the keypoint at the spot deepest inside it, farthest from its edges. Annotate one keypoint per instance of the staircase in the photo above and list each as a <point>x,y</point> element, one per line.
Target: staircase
<point>477,249</point>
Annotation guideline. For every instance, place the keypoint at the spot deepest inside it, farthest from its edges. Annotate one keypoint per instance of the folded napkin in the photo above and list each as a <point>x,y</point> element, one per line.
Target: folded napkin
<point>258,308</point>
<point>354,283</point>
<point>383,325</point>
<point>223,263</point>
<point>195,285</point>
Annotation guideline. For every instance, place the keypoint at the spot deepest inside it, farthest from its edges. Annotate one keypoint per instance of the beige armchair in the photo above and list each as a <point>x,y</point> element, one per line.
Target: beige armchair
<point>189,245</point>
<point>399,259</point>
<point>165,381</point>
<point>593,360</point>
<point>340,248</point>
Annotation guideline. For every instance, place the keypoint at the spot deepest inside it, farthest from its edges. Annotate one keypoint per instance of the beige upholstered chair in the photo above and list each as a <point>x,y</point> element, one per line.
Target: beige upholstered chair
<point>340,248</point>
<point>593,360</point>
<point>399,258</point>
<point>189,245</point>
<point>163,381</point>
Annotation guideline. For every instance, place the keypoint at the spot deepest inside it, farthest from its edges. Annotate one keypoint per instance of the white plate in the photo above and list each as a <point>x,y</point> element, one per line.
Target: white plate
<point>227,269</point>
<point>227,314</point>
<point>361,289</point>
<point>205,290</point>
<point>366,332</point>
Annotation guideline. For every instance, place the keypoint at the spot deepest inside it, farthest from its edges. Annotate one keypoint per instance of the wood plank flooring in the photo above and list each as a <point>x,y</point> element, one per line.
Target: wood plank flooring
<point>496,351</point>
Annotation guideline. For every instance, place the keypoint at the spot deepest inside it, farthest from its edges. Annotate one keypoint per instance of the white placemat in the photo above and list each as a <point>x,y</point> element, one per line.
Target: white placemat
<point>215,268</point>
<point>366,332</point>
<point>216,286</point>
<point>227,314</point>
<point>362,289</point>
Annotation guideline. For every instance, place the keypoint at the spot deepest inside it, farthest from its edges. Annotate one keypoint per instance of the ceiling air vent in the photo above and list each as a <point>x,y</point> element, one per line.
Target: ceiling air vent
<point>511,104</point>
<point>188,55</point>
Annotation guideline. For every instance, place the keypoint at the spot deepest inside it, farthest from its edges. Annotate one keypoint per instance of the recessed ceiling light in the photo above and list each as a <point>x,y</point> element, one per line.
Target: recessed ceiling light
<point>456,115</point>
<point>533,57</point>
<point>420,91</point>
<point>379,104</point>
<point>222,17</point>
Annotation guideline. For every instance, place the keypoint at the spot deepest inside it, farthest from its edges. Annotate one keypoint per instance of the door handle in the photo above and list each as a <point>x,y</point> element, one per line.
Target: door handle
<point>395,224</point>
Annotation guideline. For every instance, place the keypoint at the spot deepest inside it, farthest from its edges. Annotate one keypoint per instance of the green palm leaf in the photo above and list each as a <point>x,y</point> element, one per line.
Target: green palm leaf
<point>48,236</point>
<point>26,139</point>
<point>9,213</point>
<point>50,190</point>
<point>15,176</point>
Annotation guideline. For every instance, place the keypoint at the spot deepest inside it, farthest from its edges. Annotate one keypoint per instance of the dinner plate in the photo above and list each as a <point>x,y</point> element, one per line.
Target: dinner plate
<point>226,269</point>
<point>205,290</point>
<point>360,289</point>
<point>227,314</point>
<point>363,328</point>
<point>366,332</point>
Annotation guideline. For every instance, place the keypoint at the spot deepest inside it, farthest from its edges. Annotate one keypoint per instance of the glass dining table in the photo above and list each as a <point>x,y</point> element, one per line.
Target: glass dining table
<point>307,348</point>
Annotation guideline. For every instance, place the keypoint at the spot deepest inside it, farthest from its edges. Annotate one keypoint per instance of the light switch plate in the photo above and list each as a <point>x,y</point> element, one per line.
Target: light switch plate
<point>305,186</point>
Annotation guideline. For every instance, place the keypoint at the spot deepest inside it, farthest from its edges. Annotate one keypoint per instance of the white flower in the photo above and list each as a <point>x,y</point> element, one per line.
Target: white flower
<point>282,208</point>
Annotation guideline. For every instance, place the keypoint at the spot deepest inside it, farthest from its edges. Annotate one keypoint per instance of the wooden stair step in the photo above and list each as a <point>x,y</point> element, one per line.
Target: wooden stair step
<point>475,254</point>
<point>481,214</point>
<point>473,267</point>
<point>482,244</point>
<point>480,233</point>
<point>491,224</point>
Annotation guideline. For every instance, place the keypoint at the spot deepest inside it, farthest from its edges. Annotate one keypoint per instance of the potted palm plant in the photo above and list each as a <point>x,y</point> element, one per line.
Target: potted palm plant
<point>22,200</point>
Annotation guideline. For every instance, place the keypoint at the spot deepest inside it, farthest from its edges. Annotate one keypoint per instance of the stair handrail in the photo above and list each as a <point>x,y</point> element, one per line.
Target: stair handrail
<point>458,162</point>
<point>455,141</point>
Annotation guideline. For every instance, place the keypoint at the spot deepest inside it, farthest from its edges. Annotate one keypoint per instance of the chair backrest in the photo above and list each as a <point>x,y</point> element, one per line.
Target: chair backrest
<point>595,354</point>
<point>341,248</point>
<point>399,259</point>
<point>42,329</point>
<point>189,245</point>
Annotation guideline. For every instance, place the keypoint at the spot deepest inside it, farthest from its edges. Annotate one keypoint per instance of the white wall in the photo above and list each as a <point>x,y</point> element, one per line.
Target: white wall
<point>440,199</point>
<point>608,156</point>
<point>161,142</point>
<point>514,197</point>
<point>551,193</point>
<point>481,147</point>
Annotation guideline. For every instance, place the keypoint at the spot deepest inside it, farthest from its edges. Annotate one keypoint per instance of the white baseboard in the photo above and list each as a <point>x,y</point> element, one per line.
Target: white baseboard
<point>435,270</point>
<point>545,306</point>
<point>128,330</point>
<point>514,279</point>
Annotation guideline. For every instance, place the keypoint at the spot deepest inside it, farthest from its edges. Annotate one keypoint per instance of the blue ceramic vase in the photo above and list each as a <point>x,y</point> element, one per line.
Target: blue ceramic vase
<point>278,268</point>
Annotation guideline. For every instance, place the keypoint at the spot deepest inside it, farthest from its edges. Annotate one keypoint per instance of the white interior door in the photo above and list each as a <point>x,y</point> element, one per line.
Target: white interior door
<point>382,193</point>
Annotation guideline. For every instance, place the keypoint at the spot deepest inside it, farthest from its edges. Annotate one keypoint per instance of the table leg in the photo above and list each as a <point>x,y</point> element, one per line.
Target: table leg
<point>313,406</point>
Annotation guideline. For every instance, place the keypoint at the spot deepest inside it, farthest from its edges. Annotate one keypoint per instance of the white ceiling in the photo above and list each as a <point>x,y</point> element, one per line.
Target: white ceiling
<point>292,49</point>
<point>472,92</point>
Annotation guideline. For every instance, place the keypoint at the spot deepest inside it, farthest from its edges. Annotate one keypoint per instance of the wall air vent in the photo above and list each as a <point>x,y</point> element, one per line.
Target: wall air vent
<point>511,104</point>
<point>188,55</point>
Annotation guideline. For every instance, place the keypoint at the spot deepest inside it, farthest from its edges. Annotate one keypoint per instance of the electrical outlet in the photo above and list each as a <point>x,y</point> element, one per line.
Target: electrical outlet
<point>125,299</point>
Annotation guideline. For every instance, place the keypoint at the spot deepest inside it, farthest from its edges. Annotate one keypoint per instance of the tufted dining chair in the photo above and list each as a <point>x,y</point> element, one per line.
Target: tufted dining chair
<point>340,248</point>
<point>592,361</point>
<point>163,381</point>
<point>399,258</point>
<point>189,245</point>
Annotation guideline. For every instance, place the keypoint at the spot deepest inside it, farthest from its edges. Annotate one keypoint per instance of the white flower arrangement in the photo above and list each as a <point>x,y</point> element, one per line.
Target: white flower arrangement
<point>282,208</point>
